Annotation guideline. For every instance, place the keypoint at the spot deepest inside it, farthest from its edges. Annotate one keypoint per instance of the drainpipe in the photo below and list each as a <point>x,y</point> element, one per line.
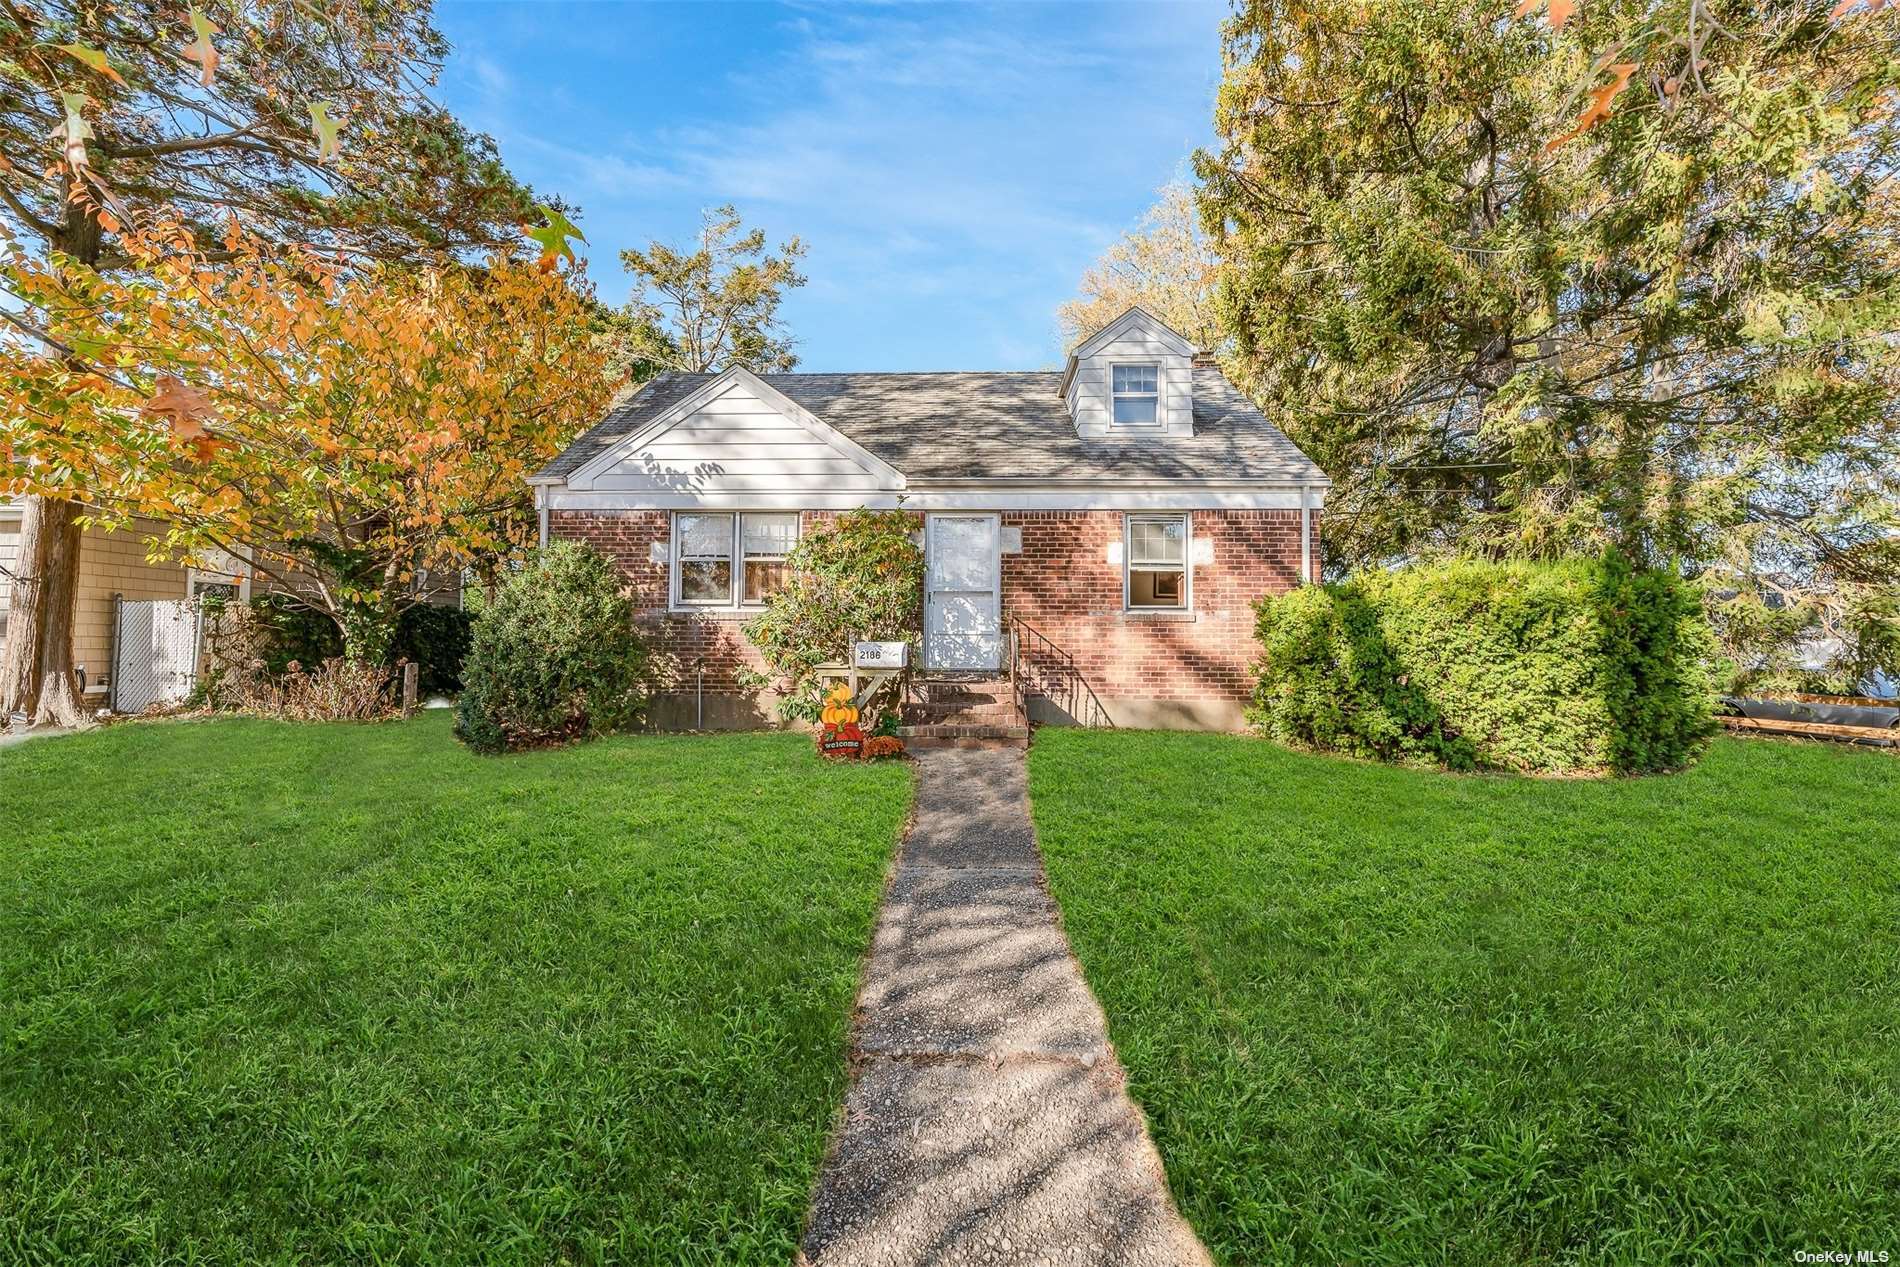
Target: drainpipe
<point>541,504</point>
<point>1306,535</point>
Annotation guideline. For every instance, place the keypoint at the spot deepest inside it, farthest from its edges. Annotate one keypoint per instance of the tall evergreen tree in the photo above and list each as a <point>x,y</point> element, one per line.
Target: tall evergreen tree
<point>1546,280</point>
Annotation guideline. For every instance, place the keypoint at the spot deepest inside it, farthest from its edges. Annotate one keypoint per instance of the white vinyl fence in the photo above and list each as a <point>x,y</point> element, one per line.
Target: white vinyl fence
<point>154,653</point>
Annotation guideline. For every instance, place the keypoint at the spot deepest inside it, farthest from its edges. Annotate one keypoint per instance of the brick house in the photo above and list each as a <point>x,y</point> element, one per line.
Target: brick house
<point>1101,533</point>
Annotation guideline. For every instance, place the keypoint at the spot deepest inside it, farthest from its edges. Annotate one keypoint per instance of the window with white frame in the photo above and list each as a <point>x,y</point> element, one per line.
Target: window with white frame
<point>1136,394</point>
<point>765,542</point>
<point>731,560</point>
<point>1157,557</point>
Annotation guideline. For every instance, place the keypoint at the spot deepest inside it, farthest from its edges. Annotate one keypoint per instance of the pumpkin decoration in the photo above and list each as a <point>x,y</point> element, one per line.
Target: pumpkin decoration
<point>840,736</point>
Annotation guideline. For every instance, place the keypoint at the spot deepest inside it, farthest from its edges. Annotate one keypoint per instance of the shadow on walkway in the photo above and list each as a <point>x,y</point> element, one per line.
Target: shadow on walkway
<point>988,1120</point>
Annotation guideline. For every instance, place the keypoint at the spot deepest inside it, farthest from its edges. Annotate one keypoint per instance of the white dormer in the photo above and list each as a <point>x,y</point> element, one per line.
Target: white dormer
<point>1131,378</point>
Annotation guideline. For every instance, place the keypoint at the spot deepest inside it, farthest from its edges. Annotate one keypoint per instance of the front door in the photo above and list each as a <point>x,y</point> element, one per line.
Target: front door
<point>963,602</point>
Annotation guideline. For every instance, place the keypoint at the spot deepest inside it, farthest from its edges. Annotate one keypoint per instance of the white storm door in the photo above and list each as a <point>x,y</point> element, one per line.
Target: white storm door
<point>963,601</point>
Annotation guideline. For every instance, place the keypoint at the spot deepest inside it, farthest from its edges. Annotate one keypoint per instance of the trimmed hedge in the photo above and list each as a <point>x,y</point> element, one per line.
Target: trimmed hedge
<point>1583,665</point>
<point>555,656</point>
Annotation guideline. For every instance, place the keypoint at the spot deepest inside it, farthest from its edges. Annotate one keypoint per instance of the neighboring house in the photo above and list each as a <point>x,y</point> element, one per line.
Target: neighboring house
<point>1116,520</point>
<point>111,564</point>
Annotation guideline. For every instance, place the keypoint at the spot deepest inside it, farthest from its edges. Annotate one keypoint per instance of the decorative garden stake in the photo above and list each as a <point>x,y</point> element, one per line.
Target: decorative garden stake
<point>839,736</point>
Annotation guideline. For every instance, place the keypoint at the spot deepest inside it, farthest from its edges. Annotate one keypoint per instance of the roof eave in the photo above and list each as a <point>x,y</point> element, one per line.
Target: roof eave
<point>927,483</point>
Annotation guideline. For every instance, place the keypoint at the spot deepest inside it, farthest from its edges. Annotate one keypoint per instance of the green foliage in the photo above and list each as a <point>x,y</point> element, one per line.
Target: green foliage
<point>587,1006</point>
<point>711,307</point>
<point>291,631</point>
<point>437,639</point>
<point>1389,1016</point>
<point>555,657</point>
<point>1559,667</point>
<point>1779,637</point>
<point>860,576</point>
<point>1671,334</point>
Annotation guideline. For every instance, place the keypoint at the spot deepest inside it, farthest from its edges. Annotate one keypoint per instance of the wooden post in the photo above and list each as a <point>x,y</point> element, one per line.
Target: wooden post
<point>411,674</point>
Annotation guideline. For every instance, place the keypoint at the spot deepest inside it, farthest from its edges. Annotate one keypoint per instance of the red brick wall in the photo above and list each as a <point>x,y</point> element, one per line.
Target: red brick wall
<point>1065,587</point>
<point>681,642</point>
<point>1062,584</point>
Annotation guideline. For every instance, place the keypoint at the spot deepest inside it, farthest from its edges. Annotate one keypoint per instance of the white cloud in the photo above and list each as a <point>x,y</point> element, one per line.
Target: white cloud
<point>953,169</point>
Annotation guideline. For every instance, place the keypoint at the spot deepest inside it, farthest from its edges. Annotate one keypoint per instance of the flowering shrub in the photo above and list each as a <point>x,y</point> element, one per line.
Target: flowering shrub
<point>860,576</point>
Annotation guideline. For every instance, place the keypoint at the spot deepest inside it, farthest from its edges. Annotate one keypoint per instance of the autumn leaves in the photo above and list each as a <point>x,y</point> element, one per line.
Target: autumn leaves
<point>186,410</point>
<point>305,408</point>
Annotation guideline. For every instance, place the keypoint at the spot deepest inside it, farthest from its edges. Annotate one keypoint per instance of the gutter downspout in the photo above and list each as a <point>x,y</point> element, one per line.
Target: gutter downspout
<point>541,504</point>
<point>1306,535</point>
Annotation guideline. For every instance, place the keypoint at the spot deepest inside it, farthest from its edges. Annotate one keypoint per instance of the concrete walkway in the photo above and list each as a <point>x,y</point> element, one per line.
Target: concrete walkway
<point>987,1120</point>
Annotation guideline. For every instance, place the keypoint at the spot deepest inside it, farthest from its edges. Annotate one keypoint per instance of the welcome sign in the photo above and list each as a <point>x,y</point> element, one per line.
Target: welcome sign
<point>840,736</point>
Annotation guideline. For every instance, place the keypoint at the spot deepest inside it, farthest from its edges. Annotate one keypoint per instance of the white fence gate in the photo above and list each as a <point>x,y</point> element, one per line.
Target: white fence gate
<point>154,653</point>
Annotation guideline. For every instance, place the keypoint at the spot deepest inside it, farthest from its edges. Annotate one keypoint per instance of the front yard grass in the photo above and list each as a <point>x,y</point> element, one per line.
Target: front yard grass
<point>1388,1015</point>
<point>349,994</point>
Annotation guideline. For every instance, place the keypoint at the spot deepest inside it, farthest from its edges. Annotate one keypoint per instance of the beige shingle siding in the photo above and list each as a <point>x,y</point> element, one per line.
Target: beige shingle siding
<point>9,558</point>
<point>109,563</point>
<point>114,563</point>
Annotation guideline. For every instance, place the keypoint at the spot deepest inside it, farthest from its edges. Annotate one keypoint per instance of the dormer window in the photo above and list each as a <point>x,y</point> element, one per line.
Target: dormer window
<point>1133,378</point>
<point>1137,396</point>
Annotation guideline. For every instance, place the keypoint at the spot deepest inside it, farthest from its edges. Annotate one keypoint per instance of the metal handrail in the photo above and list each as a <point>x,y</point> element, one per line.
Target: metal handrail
<point>1082,703</point>
<point>1018,694</point>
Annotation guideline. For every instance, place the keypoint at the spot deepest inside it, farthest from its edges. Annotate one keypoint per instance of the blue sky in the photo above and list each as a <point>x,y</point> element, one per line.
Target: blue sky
<point>953,168</point>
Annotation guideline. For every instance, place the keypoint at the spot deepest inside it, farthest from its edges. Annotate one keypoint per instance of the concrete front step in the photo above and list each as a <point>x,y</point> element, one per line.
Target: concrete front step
<point>976,715</point>
<point>1015,736</point>
<point>959,689</point>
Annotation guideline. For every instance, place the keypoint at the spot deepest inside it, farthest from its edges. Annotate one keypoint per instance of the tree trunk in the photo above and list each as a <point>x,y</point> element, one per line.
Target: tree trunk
<point>36,676</point>
<point>20,665</point>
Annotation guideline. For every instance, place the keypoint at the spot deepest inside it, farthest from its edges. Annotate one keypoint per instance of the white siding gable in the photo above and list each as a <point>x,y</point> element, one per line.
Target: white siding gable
<point>736,436</point>
<point>1136,337</point>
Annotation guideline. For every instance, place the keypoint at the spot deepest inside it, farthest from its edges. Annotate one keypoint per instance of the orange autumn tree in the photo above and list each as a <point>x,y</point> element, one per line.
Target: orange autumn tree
<point>347,430</point>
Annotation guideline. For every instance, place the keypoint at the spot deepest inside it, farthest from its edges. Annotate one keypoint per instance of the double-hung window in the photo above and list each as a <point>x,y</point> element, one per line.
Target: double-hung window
<point>1157,554</point>
<point>1136,394</point>
<point>765,542</point>
<point>731,560</point>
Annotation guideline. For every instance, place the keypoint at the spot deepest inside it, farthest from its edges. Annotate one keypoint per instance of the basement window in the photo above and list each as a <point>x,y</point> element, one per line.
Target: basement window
<point>1157,556</point>
<point>728,560</point>
<point>1136,393</point>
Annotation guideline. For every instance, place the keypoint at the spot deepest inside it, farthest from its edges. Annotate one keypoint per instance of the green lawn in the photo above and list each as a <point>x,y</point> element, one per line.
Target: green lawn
<point>345,993</point>
<point>1394,1016</point>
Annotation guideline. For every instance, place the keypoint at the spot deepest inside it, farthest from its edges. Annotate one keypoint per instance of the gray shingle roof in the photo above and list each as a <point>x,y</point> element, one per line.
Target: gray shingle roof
<point>993,426</point>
